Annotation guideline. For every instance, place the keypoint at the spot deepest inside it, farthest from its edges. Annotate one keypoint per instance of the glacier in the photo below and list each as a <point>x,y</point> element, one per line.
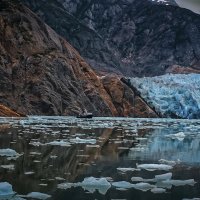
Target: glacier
<point>171,95</point>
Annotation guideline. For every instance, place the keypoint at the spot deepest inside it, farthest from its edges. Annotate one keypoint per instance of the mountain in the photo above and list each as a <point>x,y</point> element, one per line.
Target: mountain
<point>42,74</point>
<point>129,37</point>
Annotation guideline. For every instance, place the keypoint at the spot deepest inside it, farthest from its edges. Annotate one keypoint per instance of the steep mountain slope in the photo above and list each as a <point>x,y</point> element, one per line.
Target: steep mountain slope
<point>135,37</point>
<point>40,73</point>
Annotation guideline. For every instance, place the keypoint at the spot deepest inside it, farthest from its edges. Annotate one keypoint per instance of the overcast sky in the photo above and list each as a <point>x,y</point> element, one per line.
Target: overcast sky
<point>193,5</point>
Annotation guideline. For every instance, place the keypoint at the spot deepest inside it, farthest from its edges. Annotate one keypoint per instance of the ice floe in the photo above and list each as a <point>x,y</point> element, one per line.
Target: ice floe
<point>90,184</point>
<point>9,153</point>
<point>127,169</point>
<point>162,177</point>
<point>36,195</point>
<point>180,182</point>
<point>122,184</point>
<point>158,190</point>
<point>6,191</point>
<point>153,167</point>
<point>78,140</point>
<point>59,143</point>
<point>9,167</point>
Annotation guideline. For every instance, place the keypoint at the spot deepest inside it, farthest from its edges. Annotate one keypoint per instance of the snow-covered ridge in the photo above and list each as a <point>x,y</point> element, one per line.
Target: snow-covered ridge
<point>171,95</point>
<point>193,5</point>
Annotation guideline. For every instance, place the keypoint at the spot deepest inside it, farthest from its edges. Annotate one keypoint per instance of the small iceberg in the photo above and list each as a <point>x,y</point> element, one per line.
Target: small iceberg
<point>9,153</point>
<point>158,190</point>
<point>37,195</point>
<point>127,169</point>
<point>90,184</point>
<point>78,140</point>
<point>123,184</point>
<point>169,162</point>
<point>59,143</point>
<point>9,167</point>
<point>154,167</point>
<point>144,186</point>
<point>162,177</point>
<point>180,182</point>
<point>6,191</point>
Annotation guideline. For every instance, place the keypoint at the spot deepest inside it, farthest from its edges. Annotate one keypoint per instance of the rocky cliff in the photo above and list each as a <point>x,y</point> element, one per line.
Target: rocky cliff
<point>132,37</point>
<point>42,74</point>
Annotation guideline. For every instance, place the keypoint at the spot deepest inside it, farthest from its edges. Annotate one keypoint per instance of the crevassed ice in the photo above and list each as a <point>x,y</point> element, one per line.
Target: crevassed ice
<point>171,95</point>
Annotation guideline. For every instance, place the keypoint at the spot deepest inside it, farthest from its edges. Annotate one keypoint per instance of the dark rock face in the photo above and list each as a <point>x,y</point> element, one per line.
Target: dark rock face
<point>132,37</point>
<point>41,74</point>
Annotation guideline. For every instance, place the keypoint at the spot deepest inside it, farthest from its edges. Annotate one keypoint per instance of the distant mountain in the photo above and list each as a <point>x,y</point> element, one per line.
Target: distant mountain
<point>130,37</point>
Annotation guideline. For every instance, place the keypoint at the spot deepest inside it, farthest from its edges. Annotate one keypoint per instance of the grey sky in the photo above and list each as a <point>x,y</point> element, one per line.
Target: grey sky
<point>193,5</point>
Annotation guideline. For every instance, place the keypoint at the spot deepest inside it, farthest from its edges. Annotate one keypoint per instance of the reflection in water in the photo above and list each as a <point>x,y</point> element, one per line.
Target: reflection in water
<point>102,158</point>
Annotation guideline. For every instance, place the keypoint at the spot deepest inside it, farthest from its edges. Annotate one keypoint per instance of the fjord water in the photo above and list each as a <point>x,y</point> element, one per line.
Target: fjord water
<point>100,158</point>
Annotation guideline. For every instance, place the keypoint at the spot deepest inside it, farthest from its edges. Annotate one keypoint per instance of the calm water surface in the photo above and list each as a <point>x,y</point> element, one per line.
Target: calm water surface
<point>101,158</point>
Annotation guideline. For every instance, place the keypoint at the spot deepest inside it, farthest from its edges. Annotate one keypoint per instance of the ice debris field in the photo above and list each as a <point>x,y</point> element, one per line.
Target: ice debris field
<point>56,156</point>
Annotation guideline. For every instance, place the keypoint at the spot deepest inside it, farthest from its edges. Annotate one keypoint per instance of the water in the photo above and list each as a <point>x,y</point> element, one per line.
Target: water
<point>64,158</point>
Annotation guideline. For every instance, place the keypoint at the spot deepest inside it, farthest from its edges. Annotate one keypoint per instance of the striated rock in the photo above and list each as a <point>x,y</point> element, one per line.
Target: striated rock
<point>132,37</point>
<point>7,112</point>
<point>42,74</point>
<point>127,102</point>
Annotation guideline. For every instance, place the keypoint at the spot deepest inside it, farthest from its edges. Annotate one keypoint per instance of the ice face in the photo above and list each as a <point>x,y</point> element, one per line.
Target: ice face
<point>171,95</point>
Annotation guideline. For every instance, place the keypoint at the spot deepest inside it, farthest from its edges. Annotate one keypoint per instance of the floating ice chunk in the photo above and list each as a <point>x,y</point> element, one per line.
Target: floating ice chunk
<point>180,182</point>
<point>35,153</point>
<point>59,143</point>
<point>37,144</point>
<point>140,179</point>
<point>123,184</point>
<point>9,153</point>
<point>162,177</point>
<point>92,146</point>
<point>78,140</point>
<point>90,184</point>
<point>10,167</point>
<point>168,162</point>
<point>38,195</point>
<point>179,136</point>
<point>143,186</point>
<point>127,169</point>
<point>6,190</point>
<point>137,179</point>
<point>29,173</point>
<point>158,190</point>
<point>65,186</point>
<point>153,167</point>
<point>192,199</point>
<point>59,179</point>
